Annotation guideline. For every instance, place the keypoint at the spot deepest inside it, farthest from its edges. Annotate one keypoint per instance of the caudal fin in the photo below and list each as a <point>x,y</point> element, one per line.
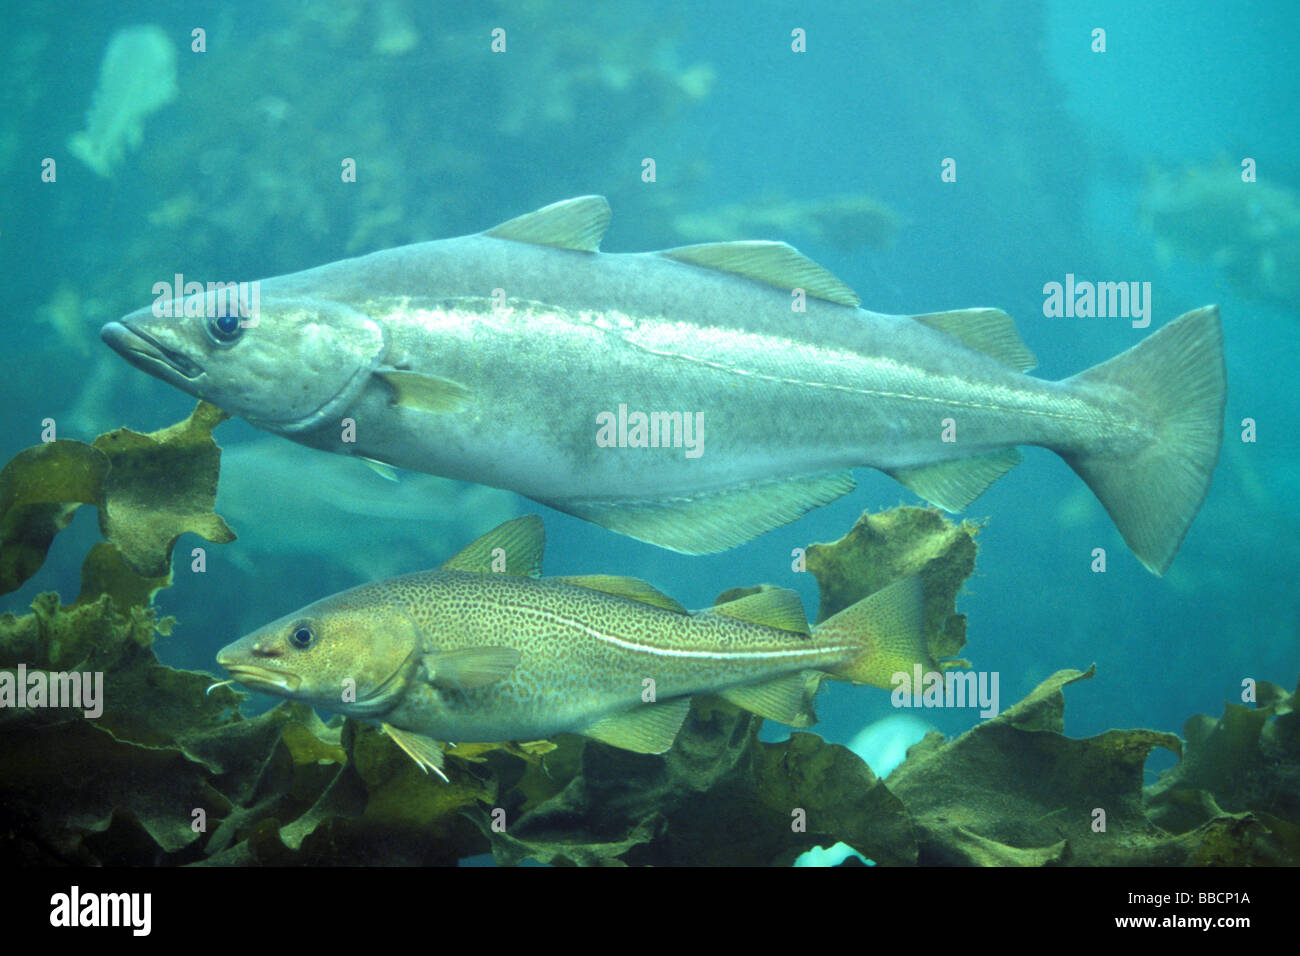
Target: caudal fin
<point>887,629</point>
<point>1177,377</point>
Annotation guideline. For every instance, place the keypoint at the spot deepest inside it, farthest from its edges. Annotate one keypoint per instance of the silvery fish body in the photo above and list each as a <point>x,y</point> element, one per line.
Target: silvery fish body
<point>694,397</point>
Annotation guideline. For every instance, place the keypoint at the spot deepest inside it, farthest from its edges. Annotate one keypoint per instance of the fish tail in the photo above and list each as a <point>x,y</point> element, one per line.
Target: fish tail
<point>1177,378</point>
<point>886,629</point>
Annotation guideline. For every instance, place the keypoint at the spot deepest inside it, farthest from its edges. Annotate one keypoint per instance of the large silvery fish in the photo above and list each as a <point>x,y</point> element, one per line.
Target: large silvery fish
<point>483,649</point>
<point>680,397</point>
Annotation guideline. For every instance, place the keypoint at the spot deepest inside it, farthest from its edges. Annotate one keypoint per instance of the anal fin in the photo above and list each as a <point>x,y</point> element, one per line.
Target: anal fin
<point>953,485</point>
<point>645,729</point>
<point>787,699</point>
<point>713,521</point>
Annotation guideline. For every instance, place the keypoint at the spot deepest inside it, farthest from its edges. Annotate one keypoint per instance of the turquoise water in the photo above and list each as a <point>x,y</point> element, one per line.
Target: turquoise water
<point>1055,146</point>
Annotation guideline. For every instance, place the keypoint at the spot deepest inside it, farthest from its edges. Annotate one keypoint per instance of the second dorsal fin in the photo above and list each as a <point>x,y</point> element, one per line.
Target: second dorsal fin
<point>578,223</point>
<point>774,263</point>
<point>634,589</point>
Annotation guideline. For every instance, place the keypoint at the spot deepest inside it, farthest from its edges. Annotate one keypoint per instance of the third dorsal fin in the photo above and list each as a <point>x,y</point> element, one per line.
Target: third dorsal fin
<point>771,606</point>
<point>990,331</point>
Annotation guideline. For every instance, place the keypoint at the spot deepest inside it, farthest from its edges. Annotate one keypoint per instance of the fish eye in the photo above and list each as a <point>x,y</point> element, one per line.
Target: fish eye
<point>224,329</point>
<point>301,636</point>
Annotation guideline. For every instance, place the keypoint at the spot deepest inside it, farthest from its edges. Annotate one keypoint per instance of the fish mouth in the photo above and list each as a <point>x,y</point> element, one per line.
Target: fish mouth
<point>147,353</point>
<point>270,679</point>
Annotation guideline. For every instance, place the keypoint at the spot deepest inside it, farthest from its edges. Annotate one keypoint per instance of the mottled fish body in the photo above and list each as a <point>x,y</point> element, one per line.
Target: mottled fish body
<point>466,653</point>
<point>680,397</point>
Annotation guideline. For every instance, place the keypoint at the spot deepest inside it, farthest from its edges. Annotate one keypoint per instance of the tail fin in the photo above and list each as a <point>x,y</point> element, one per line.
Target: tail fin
<point>1177,375</point>
<point>887,629</point>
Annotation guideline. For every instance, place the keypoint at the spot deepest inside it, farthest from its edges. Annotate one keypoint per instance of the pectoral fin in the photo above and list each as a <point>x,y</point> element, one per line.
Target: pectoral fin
<point>425,752</point>
<point>425,393</point>
<point>647,729</point>
<point>467,668</point>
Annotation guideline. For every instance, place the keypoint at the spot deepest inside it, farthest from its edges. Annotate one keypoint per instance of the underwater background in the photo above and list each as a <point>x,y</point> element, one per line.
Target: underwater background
<point>1122,165</point>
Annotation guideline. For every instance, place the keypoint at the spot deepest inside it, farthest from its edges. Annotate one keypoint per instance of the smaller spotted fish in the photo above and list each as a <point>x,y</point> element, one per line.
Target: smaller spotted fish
<point>484,649</point>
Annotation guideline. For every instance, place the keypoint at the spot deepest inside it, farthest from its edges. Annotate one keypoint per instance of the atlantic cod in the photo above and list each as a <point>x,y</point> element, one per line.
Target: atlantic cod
<point>484,649</point>
<point>694,397</point>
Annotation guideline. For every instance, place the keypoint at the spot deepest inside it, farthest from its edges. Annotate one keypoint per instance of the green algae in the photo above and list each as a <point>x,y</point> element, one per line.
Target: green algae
<point>171,773</point>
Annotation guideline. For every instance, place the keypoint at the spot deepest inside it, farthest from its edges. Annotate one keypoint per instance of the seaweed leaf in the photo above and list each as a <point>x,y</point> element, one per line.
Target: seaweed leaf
<point>160,486</point>
<point>149,490</point>
<point>881,548</point>
<point>40,490</point>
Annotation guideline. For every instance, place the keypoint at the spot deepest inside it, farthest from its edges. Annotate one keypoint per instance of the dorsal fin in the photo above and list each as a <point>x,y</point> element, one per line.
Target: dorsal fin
<point>521,542</point>
<point>578,223</point>
<point>772,607</point>
<point>634,589</point>
<point>774,263</point>
<point>990,331</point>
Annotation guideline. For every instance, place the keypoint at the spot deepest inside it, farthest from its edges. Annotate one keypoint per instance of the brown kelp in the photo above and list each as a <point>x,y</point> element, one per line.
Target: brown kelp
<point>171,775</point>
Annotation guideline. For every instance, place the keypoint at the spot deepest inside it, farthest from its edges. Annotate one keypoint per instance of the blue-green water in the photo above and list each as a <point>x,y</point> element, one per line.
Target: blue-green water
<point>1056,146</point>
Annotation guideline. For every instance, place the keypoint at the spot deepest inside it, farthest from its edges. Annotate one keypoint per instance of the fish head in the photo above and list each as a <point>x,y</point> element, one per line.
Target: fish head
<point>286,365</point>
<point>352,653</point>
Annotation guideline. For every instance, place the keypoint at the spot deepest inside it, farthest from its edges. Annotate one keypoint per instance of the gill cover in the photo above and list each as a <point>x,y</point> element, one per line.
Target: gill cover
<point>304,362</point>
<point>352,652</point>
<point>294,363</point>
